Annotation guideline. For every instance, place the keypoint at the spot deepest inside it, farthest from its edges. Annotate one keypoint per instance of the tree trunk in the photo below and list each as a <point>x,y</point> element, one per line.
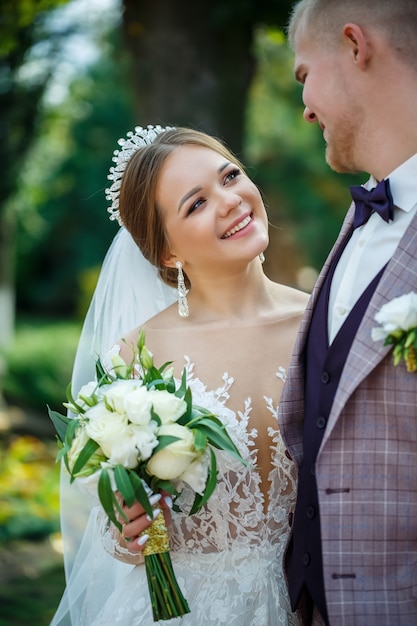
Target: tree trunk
<point>192,64</point>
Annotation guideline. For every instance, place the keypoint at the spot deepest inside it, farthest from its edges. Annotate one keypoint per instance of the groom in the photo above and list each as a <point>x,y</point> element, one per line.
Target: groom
<point>347,414</point>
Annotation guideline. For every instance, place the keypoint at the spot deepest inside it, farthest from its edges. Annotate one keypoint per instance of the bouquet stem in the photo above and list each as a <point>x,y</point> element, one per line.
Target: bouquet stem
<point>165,593</point>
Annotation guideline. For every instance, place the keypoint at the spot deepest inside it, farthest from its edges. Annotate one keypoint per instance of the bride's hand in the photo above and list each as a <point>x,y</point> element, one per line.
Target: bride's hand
<point>139,521</point>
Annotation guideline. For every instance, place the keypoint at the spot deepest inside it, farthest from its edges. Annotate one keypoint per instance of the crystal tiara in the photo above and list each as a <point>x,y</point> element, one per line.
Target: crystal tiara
<point>139,138</point>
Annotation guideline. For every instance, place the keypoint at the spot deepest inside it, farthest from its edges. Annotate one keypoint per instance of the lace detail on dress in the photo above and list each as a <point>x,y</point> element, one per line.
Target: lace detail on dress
<point>228,557</point>
<point>236,514</point>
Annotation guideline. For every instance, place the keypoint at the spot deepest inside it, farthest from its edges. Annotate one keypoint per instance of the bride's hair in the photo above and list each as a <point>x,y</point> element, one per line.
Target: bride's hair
<point>139,211</point>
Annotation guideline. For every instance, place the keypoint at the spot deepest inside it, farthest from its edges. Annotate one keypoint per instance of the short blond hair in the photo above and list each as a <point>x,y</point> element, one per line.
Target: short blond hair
<point>396,19</point>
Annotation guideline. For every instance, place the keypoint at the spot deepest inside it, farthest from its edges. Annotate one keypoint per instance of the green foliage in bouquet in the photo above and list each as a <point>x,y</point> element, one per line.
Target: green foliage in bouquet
<point>136,433</point>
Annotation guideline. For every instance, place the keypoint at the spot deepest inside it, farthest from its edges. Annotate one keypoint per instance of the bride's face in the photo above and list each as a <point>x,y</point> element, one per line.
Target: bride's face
<point>213,213</point>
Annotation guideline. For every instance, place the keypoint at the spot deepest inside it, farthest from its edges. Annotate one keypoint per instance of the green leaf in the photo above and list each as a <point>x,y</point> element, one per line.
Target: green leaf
<point>140,493</point>
<point>200,500</point>
<point>124,485</point>
<point>101,373</point>
<point>410,339</point>
<point>164,366</point>
<point>158,383</point>
<point>107,498</point>
<point>200,439</point>
<point>72,428</point>
<point>219,438</point>
<point>85,454</point>
<point>164,441</point>
<point>180,393</point>
<point>60,422</point>
<point>158,484</point>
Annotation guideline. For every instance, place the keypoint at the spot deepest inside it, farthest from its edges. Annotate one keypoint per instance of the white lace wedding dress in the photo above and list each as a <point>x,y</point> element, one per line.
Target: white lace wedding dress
<point>228,557</point>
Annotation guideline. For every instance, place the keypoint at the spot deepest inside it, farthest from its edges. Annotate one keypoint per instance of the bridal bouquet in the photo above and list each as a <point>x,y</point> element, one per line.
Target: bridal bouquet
<point>139,433</point>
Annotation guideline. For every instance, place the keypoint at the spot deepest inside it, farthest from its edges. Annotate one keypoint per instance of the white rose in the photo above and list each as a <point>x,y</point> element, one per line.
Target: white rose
<point>196,473</point>
<point>137,405</point>
<point>123,449</point>
<point>173,460</point>
<point>116,392</point>
<point>77,444</point>
<point>145,440</point>
<point>398,314</point>
<point>105,427</point>
<point>167,406</point>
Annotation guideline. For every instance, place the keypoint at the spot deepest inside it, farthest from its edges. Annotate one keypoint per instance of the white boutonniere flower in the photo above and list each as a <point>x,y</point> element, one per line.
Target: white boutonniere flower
<point>398,327</point>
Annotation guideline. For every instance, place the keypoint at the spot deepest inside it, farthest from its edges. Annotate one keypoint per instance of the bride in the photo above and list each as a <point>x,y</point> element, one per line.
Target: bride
<point>188,209</point>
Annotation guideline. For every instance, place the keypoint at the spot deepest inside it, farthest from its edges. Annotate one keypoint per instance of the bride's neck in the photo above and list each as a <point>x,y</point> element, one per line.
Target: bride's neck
<point>232,298</point>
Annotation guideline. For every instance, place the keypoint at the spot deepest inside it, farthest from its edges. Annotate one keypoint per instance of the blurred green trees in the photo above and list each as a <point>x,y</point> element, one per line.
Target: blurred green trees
<point>63,233</point>
<point>58,203</point>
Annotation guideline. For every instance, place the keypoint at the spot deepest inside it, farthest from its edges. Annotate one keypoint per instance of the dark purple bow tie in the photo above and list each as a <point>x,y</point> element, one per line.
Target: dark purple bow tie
<point>377,200</point>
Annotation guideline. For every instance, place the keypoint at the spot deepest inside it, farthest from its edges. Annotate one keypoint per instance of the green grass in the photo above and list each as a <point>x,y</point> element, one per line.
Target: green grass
<point>39,363</point>
<point>31,599</point>
<point>31,570</point>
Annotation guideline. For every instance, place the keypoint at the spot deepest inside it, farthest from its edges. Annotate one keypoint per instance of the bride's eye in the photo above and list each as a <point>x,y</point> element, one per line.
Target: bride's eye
<point>196,205</point>
<point>234,173</point>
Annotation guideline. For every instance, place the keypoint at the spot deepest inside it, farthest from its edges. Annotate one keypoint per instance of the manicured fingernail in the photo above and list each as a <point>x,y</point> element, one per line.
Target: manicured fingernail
<point>168,501</point>
<point>155,498</point>
<point>156,512</point>
<point>143,539</point>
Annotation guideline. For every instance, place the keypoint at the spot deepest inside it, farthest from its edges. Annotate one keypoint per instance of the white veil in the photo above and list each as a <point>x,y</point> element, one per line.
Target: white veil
<point>129,291</point>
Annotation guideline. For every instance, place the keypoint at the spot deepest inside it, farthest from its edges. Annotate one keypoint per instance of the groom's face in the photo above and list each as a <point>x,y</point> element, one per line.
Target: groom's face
<point>323,70</point>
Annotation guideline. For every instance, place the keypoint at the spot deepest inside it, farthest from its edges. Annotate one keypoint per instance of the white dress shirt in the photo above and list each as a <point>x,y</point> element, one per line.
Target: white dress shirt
<point>372,245</point>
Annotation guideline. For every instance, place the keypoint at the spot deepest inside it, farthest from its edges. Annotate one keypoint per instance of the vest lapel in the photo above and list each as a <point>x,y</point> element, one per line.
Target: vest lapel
<point>400,277</point>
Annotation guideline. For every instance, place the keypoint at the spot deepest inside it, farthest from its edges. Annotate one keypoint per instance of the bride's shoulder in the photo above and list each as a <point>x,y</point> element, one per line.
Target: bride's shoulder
<point>289,300</point>
<point>165,320</point>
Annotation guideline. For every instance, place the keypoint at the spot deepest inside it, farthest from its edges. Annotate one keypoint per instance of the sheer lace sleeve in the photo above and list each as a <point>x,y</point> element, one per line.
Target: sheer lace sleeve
<point>113,542</point>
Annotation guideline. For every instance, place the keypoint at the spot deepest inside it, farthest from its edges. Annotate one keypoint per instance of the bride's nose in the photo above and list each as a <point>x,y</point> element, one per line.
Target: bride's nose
<point>228,201</point>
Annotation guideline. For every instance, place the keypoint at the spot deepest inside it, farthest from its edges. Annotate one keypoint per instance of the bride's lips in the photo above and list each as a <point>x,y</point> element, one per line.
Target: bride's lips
<point>238,225</point>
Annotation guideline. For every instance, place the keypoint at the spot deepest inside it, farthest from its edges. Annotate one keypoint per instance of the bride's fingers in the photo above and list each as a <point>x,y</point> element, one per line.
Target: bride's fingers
<point>135,527</point>
<point>136,510</point>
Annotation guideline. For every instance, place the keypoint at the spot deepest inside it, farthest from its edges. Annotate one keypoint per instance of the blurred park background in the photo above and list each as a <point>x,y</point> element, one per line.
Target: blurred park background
<point>74,77</point>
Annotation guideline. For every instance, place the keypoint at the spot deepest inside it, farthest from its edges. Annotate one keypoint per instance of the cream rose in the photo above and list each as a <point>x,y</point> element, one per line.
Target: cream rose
<point>145,440</point>
<point>397,315</point>
<point>123,449</point>
<point>137,405</point>
<point>115,393</point>
<point>77,444</point>
<point>105,427</point>
<point>173,460</point>
<point>167,406</point>
<point>196,473</point>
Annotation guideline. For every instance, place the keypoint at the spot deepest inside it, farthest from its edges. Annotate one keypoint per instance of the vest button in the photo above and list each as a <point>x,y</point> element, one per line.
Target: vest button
<point>306,558</point>
<point>311,512</point>
<point>325,377</point>
<point>313,470</point>
<point>321,422</point>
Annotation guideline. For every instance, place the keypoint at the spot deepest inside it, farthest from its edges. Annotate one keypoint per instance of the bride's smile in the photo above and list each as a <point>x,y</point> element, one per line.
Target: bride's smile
<point>238,227</point>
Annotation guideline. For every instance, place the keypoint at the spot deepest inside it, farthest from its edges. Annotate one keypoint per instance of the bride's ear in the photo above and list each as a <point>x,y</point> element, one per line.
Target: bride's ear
<point>168,259</point>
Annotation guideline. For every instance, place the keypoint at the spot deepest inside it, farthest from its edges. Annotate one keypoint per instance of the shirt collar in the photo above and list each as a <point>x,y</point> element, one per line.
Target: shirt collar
<point>403,184</point>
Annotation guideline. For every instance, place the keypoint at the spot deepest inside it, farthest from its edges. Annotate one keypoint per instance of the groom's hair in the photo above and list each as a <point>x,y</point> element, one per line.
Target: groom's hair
<point>324,20</point>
